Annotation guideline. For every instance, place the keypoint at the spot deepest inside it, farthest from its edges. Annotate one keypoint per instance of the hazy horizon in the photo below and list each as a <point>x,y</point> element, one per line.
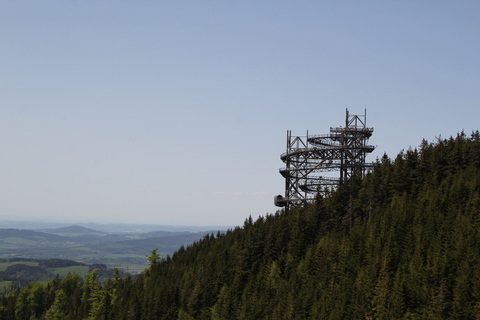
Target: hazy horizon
<point>5,222</point>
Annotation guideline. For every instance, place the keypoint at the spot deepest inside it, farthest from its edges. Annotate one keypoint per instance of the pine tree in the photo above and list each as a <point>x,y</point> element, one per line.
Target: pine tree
<point>57,310</point>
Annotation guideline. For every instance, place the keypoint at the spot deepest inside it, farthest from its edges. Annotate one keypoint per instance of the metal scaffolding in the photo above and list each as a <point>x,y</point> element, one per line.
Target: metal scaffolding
<point>318,163</point>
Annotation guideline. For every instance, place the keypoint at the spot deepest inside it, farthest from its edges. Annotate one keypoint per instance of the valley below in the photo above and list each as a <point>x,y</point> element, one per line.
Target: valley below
<point>123,246</point>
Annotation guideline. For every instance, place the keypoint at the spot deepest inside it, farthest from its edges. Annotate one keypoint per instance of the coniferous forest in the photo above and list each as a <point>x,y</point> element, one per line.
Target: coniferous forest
<point>401,243</point>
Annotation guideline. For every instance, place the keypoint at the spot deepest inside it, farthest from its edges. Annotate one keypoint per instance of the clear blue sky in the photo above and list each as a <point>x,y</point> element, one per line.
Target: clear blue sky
<point>176,112</point>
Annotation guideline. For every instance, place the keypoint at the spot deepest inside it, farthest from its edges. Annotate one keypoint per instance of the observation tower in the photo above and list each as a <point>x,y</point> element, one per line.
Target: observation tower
<point>319,163</point>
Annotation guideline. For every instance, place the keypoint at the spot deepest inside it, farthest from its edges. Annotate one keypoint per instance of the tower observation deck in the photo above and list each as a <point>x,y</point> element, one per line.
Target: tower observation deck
<point>316,163</point>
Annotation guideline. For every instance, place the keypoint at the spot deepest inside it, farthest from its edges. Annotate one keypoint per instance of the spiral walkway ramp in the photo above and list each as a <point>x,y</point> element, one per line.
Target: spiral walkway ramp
<point>318,163</point>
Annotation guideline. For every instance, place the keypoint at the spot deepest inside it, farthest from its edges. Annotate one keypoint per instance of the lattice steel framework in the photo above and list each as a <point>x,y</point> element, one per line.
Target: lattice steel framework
<point>307,159</point>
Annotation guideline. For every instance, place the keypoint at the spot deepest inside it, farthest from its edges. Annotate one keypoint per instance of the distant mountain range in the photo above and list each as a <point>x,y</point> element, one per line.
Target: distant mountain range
<point>86,245</point>
<point>108,227</point>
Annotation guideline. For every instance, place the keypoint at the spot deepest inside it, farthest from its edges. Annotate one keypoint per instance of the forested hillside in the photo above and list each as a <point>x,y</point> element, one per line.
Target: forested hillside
<point>402,243</point>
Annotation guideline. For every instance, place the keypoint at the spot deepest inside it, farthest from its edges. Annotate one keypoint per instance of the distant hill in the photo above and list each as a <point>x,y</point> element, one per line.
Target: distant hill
<point>28,237</point>
<point>164,244</point>
<point>75,231</point>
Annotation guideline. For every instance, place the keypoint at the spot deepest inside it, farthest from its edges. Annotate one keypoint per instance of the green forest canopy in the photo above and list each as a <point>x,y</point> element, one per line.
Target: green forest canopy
<point>401,243</point>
